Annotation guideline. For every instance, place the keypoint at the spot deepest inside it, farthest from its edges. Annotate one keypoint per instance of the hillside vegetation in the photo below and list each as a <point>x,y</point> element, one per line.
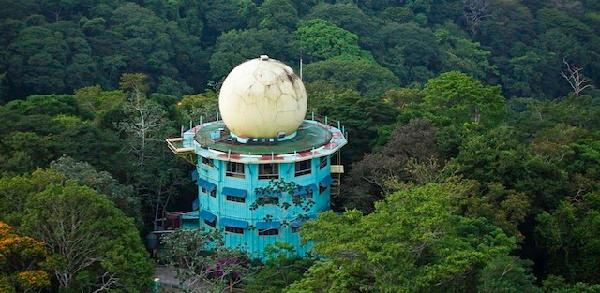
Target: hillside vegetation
<point>473,161</point>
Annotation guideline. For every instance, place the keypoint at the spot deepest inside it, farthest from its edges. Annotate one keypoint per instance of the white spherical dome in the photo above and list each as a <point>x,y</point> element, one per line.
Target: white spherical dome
<point>262,98</point>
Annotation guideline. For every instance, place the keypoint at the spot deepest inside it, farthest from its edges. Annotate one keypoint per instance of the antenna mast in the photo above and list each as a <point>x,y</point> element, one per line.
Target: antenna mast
<point>300,65</point>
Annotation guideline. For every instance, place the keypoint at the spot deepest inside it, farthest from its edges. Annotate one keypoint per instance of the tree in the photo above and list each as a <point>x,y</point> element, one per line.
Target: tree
<point>278,14</point>
<point>568,235</point>
<point>18,157</point>
<point>222,15</point>
<point>503,207</point>
<point>353,73</point>
<point>282,268</point>
<point>499,157</point>
<point>202,262</point>
<point>530,72</point>
<point>156,174</point>
<point>38,62</point>
<point>89,248</point>
<point>169,86</point>
<point>145,118</point>
<point>558,284</point>
<point>122,196</point>
<point>21,262</point>
<point>464,55</point>
<point>410,51</point>
<point>321,40</point>
<point>574,76</point>
<point>144,40</point>
<point>507,274</point>
<point>55,125</point>
<point>16,191</point>
<point>194,107</point>
<point>510,24</point>
<point>474,12</point>
<point>455,98</point>
<point>94,101</point>
<point>95,248</point>
<point>413,241</point>
<point>236,46</point>
<point>369,178</point>
<point>552,18</point>
<point>362,116</point>
<point>349,17</point>
<point>2,88</point>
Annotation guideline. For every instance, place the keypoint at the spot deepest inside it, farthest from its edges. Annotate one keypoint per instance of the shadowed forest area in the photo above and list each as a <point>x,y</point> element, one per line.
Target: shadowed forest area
<point>473,162</point>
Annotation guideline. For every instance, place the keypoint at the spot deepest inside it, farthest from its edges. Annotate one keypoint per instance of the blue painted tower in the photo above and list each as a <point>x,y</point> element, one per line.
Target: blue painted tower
<point>263,170</point>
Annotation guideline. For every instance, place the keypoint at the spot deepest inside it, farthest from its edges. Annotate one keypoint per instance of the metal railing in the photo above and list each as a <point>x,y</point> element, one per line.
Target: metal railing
<point>312,116</point>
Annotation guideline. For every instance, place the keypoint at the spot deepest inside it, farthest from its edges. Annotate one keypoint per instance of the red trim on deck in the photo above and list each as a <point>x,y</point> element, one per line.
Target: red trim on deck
<point>271,157</point>
<point>330,145</point>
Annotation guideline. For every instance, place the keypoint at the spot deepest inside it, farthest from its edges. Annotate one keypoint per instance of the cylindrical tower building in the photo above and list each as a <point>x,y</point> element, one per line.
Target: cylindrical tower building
<point>263,170</point>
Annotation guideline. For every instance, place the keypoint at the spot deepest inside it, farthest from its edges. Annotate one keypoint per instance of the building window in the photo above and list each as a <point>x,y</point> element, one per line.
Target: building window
<point>268,171</point>
<point>266,232</point>
<point>210,223</point>
<point>323,162</point>
<point>235,170</point>
<point>268,200</point>
<point>302,168</point>
<point>235,198</point>
<point>295,229</point>
<point>212,193</point>
<point>322,188</point>
<point>208,162</point>
<point>236,230</point>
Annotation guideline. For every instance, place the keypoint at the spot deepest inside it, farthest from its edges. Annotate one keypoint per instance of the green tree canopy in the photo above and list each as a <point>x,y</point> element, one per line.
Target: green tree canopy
<point>320,40</point>
<point>21,262</point>
<point>507,274</point>
<point>236,46</point>
<point>569,234</point>
<point>91,242</point>
<point>413,241</point>
<point>351,72</point>
<point>278,14</point>
<point>202,261</point>
<point>455,98</point>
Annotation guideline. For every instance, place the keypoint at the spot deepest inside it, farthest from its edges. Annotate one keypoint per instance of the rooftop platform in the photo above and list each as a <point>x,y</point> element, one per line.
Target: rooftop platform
<point>313,139</point>
<point>308,137</point>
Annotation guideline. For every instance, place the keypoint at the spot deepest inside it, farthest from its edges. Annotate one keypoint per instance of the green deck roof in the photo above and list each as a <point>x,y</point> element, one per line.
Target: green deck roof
<point>309,136</point>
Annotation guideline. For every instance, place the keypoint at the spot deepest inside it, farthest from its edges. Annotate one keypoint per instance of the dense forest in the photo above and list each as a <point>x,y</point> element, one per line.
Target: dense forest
<point>473,161</point>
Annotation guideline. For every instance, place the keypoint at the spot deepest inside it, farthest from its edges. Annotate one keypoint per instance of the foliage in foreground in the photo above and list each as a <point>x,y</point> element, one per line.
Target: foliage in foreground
<point>91,244</point>
<point>282,268</point>
<point>414,240</point>
<point>202,262</point>
<point>22,261</point>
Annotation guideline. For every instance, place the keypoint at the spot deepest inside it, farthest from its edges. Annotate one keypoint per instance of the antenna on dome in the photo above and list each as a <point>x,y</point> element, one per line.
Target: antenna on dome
<point>301,65</point>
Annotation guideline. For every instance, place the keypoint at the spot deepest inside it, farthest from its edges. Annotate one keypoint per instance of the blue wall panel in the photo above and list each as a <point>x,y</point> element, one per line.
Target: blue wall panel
<point>250,241</point>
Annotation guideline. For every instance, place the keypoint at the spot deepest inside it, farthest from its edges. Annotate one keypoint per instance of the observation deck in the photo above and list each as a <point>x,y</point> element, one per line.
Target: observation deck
<point>213,140</point>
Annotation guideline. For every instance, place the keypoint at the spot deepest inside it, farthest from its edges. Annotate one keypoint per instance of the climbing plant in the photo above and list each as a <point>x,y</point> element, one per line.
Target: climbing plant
<point>293,200</point>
